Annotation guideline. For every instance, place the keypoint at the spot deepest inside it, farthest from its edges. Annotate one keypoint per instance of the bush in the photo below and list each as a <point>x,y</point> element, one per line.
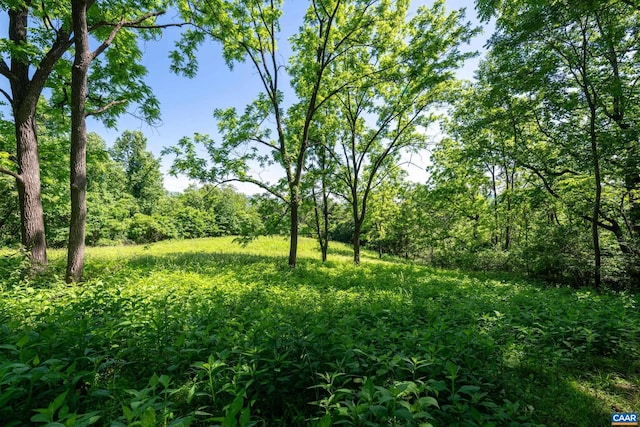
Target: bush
<point>147,229</point>
<point>191,223</point>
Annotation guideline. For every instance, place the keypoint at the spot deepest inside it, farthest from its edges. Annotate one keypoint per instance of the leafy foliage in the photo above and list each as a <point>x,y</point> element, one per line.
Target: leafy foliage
<point>200,332</point>
<point>141,169</point>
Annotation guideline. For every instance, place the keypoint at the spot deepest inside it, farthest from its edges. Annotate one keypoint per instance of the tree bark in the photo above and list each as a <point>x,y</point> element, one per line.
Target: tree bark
<point>29,190</point>
<point>357,228</point>
<point>293,242</point>
<point>78,172</point>
<point>321,224</point>
<point>25,94</point>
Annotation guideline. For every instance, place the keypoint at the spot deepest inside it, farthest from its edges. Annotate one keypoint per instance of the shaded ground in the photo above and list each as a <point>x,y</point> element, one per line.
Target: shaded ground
<point>180,330</point>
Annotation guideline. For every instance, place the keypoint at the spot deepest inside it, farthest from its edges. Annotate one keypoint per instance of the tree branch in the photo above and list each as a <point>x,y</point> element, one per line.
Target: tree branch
<point>6,71</point>
<point>265,143</point>
<point>257,183</point>
<point>6,95</point>
<point>117,27</point>
<point>105,107</point>
<point>59,47</point>
<point>11,173</point>
<point>157,27</point>
<point>546,184</point>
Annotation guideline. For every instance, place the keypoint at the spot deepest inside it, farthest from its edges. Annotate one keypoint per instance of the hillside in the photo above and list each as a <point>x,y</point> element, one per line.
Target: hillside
<point>205,332</point>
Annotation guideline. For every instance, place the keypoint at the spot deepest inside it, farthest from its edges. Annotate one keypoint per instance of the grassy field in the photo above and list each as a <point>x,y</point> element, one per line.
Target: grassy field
<point>207,332</point>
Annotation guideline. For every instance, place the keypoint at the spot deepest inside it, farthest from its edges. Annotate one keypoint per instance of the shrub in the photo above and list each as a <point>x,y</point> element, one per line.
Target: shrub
<point>147,229</point>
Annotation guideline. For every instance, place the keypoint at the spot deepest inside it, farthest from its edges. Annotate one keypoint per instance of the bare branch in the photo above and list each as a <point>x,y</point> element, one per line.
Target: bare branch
<point>5,71</point>
<point>258,183</point>
<point>6,95</point>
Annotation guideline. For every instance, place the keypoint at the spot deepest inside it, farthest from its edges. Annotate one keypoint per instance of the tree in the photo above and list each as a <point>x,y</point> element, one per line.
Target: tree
<point>32,56</point>
<point>404,80</point>
<point>109,205</point>
<point>487,122</point>
<point>249,31</point>
<point>84,56</point>
<point>385,207</point>
<point>53,143</point>
<point>142,170</point>
<point>9,209</point>
<point>576,66</point>
<point>40,33</point>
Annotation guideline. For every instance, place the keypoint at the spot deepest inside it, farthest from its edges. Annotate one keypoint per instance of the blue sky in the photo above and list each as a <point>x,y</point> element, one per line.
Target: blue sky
<point>187,105</point>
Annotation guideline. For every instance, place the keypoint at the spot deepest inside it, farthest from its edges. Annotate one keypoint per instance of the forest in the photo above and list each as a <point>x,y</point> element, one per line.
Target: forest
<point>342,291</point>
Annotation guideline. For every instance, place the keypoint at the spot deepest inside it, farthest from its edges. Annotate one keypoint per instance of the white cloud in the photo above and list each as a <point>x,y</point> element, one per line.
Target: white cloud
<point>176,184</point>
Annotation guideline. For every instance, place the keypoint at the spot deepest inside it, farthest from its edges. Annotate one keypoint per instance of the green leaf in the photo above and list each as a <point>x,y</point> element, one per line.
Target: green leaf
<point>58,401</point>
<point>148,418</point>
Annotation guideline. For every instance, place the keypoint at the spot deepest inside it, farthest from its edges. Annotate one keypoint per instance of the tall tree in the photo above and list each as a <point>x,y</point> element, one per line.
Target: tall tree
<point>39,35</point>
<point>109,205</point>
<point>405,80</point>
<point>116,17</point>
<point>78,161</point>
<point>319,185</point>
<point>144,179</point>
<point>249,31</point>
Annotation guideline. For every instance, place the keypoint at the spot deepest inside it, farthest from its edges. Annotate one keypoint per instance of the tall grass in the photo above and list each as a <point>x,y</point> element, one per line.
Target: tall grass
<point>207,332</point>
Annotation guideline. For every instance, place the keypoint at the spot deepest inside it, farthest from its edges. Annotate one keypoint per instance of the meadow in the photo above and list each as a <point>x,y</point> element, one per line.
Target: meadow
<point>208,332</point>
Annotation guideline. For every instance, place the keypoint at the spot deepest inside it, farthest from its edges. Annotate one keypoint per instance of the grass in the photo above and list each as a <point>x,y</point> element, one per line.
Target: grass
<point>207,332</point>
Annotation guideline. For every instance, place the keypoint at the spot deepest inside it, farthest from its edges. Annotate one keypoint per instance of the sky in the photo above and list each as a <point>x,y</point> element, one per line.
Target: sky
<point>187,105</point>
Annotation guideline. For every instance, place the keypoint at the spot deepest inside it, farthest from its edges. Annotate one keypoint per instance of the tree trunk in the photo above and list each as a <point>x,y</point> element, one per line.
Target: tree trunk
<point>495,238</point>
<point>325,217</point>
<point>28,183</point>
<point>25,94</point>
<point>293,242</point>
<point>632,185</point>
<point>78,179</point>
<point>357,227</point>
<point>322,226</point>
<point>592,99</point>
<point>596,205</point>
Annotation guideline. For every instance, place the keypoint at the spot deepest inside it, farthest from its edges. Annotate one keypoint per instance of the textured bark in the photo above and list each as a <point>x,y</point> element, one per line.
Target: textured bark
<point>28,183</point>
<point>25,92</point>
<point>78,178</point>
<point>293,242</point>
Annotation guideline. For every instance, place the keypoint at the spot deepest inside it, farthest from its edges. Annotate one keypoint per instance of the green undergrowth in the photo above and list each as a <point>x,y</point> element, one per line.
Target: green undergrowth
<point>207,332</point>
